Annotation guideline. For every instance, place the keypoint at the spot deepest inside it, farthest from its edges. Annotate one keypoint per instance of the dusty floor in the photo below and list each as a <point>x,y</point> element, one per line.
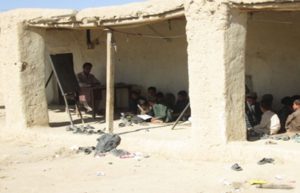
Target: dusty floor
<point>41,161</point>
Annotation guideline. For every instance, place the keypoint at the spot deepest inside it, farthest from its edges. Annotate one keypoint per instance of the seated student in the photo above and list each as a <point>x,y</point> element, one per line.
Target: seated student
<point>86,79</point>
<point>170,100</point>
<point>143,107</point>
<point>284,112</point>
<point>295,97</point>
<point>134,101</point>
<point>257,109</point>
<point>151,93</point>
<point>159,112</point>
<point>160,98</point>
<point>293,120</point>
<point>181,103</point>
<point>268,98</point>
<point>270,123</point>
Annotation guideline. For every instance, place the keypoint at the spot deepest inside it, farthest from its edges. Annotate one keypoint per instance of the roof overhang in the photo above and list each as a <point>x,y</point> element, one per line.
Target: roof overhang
<point>121,16</point>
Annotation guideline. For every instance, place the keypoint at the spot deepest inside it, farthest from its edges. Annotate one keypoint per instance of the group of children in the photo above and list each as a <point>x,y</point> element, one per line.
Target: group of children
<point>261,118</point>
<point>160,107</point>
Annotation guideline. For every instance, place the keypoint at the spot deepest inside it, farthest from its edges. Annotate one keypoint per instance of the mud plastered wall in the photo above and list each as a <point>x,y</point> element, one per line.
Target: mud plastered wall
<point>21,53</point>
<point>216,48</point>
<point>273,60</point>
<point>139,60</point>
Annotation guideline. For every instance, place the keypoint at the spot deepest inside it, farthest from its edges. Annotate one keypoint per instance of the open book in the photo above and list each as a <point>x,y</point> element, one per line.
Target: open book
<point>144,117</point>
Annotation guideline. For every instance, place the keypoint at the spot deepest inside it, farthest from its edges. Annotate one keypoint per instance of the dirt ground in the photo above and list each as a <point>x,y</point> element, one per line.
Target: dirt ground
<point>42,160</point>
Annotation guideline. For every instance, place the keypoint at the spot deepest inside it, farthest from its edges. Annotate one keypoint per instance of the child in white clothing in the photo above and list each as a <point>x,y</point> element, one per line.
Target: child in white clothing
<point>270,123</point>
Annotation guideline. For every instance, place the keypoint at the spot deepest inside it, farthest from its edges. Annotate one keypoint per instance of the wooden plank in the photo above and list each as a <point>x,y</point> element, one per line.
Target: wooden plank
<point>116,22</point>
<point>110,76</point>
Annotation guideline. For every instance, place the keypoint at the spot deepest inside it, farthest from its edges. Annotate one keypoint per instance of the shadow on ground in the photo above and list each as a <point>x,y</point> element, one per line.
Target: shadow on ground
<point>77,121</point>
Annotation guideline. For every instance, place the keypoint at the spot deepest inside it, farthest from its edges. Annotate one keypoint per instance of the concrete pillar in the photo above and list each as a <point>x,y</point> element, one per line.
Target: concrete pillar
<point>22,56</point>
<point>216,38</point>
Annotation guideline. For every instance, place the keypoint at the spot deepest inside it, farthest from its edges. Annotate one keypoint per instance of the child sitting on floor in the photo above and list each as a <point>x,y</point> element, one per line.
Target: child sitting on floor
<point>270,123</point>
<point>160,112</point>
<point>293,120</point>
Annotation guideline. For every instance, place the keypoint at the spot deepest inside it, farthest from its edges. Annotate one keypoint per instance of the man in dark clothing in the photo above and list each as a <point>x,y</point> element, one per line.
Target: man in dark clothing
<point>181,103</point>
<point>284,112</point>
<point>134,101</point>
<point>253,111</point>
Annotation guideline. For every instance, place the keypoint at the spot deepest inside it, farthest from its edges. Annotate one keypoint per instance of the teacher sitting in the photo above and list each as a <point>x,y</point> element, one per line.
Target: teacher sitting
<point>87,80</point>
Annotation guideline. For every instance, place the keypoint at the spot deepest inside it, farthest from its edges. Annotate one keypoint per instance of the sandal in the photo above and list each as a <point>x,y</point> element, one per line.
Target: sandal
<point>236,167</point>
<point>265,161</point>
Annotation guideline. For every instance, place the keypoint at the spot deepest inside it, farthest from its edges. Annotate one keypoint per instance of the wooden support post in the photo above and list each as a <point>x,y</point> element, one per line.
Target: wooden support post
<point>110,83</point>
